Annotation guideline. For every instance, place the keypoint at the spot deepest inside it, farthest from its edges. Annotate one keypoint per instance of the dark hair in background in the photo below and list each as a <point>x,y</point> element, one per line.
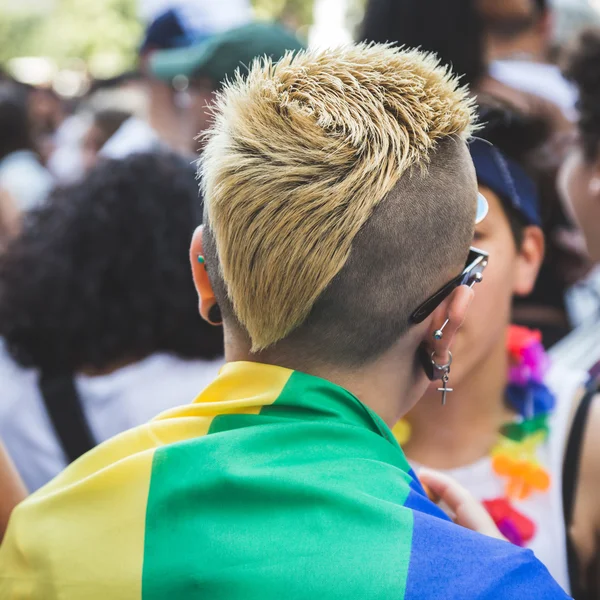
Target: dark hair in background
<point>15,133</point>
<point>518,136</point>
<point>451,29</point>
<point>100,274</point>
<point>582,66</point>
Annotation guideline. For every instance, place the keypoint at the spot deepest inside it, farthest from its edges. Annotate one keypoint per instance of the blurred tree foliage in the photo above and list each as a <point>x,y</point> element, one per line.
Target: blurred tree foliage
<point>105,32</point>
<point>295,13</point>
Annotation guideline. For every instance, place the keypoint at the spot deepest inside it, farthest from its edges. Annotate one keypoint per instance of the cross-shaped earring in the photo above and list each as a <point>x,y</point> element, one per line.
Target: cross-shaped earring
<point>445,369</point>
<point>445,389</point>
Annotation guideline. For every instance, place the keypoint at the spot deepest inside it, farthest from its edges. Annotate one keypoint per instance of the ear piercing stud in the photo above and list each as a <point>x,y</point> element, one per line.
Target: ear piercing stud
<point>439,333</point>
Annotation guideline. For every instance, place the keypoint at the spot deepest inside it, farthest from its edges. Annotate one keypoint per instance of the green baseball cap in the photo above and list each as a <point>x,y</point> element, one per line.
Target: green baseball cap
<point>218,56</point>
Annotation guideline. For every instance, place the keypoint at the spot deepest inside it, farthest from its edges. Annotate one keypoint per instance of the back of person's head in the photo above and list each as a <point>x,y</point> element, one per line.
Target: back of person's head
<point>15,132</point>
<point>453,30</point>
<point>511,18</point>
<point>99,275</point>
<point>339,195</point>
<point>582,66</point>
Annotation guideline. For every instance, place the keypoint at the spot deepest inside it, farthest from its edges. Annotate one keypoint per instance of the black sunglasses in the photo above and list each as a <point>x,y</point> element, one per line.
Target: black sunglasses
<point>477,261</point>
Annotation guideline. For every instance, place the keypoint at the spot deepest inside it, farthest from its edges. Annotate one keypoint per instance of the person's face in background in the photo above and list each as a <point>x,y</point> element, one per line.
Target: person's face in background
<point>580,190</point>
<point>510,272</point>
<point>202,95</point>
<point>46,111</point>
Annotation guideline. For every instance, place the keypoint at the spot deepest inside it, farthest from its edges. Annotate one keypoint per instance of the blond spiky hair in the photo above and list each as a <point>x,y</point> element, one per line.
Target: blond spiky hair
<point>300,154</point>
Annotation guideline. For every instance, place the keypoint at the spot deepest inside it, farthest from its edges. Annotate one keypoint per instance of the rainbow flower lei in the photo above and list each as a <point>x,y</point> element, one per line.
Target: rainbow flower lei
<point>514,458</point>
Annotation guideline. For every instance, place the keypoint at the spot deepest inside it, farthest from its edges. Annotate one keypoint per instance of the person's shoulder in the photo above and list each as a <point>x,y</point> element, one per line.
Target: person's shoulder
<point>565,378</point>
<point>448,561</point>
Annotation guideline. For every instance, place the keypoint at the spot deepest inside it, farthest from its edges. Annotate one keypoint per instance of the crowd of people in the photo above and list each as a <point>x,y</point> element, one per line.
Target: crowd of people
<point>380,375</point>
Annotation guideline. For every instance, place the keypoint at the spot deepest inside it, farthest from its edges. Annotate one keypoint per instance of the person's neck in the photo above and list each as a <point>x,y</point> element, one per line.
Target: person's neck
<point>389,386</point>
<point>528,45</point>
<point>474,412</point>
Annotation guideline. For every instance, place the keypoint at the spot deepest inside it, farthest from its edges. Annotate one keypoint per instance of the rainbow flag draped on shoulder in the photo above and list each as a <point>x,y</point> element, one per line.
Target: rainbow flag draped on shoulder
<point>273,484</point>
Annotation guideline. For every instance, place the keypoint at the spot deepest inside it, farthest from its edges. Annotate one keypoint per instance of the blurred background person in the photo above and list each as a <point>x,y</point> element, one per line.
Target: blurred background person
<point>514,413</point>
<point>580,184</point>
<point>47,111</point>
<point>98,315</point>
<point>208,64</point>
<point>104,124</point>
<point>453,30</point>
<point>96,118</point>
<point>519,40</point>
<point>176,26</point>
<point>456,32</point>
<point>22,176</point>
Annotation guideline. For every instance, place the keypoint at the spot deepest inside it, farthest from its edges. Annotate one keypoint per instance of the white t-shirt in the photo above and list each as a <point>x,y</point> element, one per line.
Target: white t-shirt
<point>111,403</point>
<point>25,179</point>
<point>545,81</point>
<point>134,135</point>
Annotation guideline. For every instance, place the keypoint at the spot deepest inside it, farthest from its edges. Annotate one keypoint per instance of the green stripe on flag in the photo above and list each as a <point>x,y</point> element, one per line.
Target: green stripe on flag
<point>306,505</point>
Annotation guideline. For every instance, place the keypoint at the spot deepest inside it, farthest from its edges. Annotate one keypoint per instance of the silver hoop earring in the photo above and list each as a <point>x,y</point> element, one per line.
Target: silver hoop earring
<point>445,369</point>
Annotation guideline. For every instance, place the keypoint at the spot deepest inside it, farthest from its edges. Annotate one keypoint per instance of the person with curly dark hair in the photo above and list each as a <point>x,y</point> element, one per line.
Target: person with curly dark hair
<point>98,311</point>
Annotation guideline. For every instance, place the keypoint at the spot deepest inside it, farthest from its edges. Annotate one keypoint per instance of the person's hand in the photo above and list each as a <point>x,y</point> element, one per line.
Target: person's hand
<point>464,508</point>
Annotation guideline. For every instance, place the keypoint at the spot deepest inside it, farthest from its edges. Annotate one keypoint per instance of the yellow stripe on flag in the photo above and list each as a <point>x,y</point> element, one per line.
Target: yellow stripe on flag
<point>82,535</point>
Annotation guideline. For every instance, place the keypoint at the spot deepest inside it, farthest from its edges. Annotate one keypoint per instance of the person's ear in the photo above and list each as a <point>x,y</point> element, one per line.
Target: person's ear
<point>209,309</point>
<point>447,319</point>
<point>529,260</point>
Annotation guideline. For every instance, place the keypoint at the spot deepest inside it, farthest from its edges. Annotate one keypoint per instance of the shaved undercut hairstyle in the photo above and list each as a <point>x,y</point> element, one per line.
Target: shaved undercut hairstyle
<point>339,194</point>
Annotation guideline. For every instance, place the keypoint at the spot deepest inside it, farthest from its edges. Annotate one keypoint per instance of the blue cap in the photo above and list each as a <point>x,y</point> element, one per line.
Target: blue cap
<point>507,179</point>
<point>168,30</point>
